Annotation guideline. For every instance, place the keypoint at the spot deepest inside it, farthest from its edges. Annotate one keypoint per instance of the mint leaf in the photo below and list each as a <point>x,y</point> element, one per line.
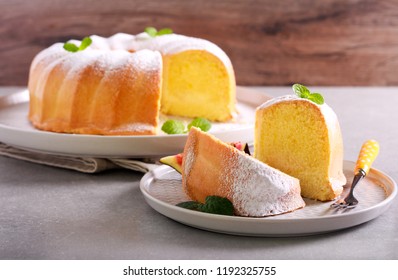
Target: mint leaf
<point>178,127</point>
<point>173,127</point>
<point>201,123</point>
<point>70,47</point>
<point>217,205</point>
<point>151,31</point>
<point>192,205</point>
<point>303,92</point>
<point>164,31</point>
<point>316,98</point>
<point>213,205</point>
<point>85,43</point>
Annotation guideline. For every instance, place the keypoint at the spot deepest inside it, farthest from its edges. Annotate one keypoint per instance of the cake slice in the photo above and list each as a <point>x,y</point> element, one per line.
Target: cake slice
<point>302,139</point>
<point>211,167</point>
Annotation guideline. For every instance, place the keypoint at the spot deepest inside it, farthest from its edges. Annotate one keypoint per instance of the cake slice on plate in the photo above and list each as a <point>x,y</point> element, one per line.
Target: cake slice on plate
<point>211,167</point>
<point>303,139</point>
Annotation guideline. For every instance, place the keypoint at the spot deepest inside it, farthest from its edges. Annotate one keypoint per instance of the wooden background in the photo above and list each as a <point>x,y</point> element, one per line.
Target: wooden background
<point>270,42</point>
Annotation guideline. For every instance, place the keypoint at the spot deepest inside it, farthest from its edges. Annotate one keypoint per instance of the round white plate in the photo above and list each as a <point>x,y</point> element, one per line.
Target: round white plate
<point>162,190</point>
<point>16,130</point>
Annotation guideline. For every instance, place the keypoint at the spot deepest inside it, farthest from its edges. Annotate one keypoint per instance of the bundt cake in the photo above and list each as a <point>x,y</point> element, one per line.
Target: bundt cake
<point>213,168</point>
<point>302,139</point>
<point>118,85</point>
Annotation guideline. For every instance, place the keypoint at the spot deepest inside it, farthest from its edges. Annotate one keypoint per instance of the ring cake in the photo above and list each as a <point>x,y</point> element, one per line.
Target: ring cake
<point>118,85</point>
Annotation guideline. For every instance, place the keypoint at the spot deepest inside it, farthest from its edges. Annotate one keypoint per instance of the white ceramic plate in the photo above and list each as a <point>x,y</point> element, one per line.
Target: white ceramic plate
<point>16,130</point>
<point>162,190</point>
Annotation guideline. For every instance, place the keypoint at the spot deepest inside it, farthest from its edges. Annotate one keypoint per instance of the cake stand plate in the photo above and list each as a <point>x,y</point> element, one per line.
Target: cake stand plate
<point>162,190</point>
<point>16,130</point>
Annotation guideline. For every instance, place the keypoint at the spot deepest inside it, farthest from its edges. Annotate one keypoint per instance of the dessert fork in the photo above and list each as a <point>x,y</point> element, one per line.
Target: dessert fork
<point>367,155</point>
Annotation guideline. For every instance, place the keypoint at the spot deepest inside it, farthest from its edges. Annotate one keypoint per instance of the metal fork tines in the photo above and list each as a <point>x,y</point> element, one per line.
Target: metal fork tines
<point>349,201</point>
<point>367,155</point>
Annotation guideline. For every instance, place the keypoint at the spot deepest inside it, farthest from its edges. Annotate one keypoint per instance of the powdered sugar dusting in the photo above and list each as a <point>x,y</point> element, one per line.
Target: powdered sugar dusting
<point>76,63</point>
<point>258,189</point>
<point>116,50</point>
<point>47,60</point>
<point>254,188</point>
<point>119,41</point>
<point>174,43</point>
<point>189,155</point>
<point>125,43</point>
<point>146,60</point>
<point>107,60</point>
<point>283,98</point>
<point>50,54</point>
<point>327,112</point>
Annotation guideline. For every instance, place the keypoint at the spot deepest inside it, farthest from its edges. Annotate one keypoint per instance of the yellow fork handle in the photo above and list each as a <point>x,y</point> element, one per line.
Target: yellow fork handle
<point>367,155</point>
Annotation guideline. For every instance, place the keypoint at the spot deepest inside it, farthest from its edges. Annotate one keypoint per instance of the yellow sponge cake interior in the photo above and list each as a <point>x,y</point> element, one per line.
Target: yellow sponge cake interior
<point>302,139</point>
<point>196,83</point>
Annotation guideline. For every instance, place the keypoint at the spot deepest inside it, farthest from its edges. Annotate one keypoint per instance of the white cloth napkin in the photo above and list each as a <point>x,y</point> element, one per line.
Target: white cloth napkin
<point>82,164</point>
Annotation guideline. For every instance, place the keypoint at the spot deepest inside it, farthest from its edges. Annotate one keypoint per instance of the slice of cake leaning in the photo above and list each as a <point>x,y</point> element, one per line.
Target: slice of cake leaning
<point>302,139</point>
<point>212,167</point>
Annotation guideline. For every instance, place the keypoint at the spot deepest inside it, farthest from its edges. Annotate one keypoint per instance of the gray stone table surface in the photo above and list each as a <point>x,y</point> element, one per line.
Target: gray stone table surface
<point>52,213</point>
